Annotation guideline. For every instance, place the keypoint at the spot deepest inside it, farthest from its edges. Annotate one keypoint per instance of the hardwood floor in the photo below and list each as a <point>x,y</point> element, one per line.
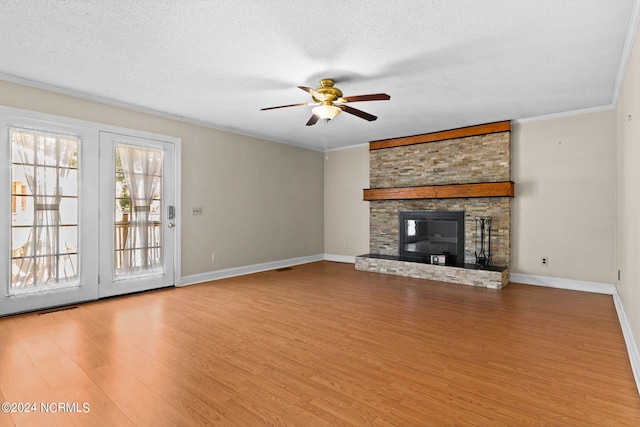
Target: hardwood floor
<point>323,345</point>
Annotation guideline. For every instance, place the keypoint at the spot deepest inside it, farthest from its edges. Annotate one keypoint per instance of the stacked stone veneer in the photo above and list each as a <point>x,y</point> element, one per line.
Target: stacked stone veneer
<point>470,160</point>
<point>467,160</point>
<point>384,227</point>
<point>492,279</point>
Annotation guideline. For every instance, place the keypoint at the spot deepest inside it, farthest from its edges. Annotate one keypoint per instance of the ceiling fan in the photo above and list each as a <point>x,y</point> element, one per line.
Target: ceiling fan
<point>329,102</point>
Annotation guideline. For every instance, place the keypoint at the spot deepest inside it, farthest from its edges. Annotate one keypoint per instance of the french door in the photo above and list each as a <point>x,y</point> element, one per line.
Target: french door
<point>137,214</point>
<point>84,213</point>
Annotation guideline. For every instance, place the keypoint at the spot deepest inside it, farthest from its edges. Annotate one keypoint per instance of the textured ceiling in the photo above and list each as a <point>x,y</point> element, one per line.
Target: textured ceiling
<point>446,63</point>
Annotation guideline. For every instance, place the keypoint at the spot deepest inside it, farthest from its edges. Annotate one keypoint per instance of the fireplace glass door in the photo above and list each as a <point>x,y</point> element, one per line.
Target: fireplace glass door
<point>427,233</point>
<point>432,236</point>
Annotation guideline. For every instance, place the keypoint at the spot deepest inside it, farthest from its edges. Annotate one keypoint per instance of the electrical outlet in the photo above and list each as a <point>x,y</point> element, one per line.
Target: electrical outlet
<point>196,210</point>
<point>544,261</point>
<point>214,256</point>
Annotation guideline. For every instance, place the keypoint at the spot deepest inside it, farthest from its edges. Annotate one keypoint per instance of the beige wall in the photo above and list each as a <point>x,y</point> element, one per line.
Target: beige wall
<point>263,201</point>
<point>564,205</point>
<point>628,126</point>
<point>346,174</point>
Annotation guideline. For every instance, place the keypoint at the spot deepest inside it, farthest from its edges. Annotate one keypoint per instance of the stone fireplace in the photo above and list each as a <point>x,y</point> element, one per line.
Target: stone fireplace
<point>463,170</point>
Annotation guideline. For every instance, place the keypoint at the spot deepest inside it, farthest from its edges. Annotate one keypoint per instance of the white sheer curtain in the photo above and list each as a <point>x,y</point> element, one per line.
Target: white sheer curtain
<point>46,160</point>
<point>142,169</point>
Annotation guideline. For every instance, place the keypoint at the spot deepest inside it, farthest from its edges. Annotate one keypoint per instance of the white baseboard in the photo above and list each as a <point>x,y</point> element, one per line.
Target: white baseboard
<point>600,288</point>
<point>248,269</point>
<point>340,258</point>
<point>632,346</point>
<point>256,268</point>
<point>555,282</point>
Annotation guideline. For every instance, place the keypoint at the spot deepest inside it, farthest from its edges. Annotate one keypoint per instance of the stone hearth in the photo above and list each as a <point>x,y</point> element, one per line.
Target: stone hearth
<point>491,277</point>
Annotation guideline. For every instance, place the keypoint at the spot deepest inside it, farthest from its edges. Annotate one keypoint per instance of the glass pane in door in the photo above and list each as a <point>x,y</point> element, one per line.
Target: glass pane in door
<point>138,208</point>
<point>44,211</point>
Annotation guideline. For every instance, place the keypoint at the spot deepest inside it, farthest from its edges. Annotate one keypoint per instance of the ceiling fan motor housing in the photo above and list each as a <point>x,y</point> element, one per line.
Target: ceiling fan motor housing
<point>330,93</point>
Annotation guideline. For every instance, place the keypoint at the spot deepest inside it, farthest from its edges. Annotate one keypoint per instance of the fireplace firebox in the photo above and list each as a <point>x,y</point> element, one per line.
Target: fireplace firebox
<point>427,233</point>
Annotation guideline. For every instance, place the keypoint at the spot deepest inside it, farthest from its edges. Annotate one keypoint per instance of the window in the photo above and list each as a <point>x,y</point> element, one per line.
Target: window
<point>44,210</point>
<point>138,206</point>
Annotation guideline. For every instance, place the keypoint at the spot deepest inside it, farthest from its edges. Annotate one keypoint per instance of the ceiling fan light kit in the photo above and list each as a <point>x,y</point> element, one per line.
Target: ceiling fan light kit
<point>330,102</point>
<point>327,112</point>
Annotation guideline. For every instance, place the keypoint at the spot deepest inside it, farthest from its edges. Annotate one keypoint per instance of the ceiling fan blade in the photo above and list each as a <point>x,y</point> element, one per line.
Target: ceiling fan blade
<point>370,97</point>
<point>283,106</point>
<point>313,92</point>
<point>359,113</point>
<point>313,120</point>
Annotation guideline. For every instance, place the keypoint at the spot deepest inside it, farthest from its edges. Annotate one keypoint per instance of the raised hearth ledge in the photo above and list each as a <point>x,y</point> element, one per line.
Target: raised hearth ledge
<point>491,277</point>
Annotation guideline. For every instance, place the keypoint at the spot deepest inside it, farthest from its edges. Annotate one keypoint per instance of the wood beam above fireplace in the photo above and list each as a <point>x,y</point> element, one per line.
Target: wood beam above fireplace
<point>484,129</point>
<point>485,189</point>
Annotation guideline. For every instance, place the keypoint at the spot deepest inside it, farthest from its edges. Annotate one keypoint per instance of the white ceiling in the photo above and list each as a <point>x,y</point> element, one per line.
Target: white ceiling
<point>445,63</point>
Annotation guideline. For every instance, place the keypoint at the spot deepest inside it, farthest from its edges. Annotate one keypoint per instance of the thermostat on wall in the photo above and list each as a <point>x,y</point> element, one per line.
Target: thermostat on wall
<point>438,259</point>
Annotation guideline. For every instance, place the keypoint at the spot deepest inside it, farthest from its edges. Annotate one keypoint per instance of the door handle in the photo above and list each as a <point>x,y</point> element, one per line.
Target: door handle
<point>171,225</point>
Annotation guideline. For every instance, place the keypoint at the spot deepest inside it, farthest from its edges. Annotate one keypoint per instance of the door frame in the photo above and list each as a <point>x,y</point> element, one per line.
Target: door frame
<point>108,284</point>
<point>90,134</point>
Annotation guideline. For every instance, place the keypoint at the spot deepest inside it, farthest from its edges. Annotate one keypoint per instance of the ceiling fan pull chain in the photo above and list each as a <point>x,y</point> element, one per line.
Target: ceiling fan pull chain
<point>326,155</point>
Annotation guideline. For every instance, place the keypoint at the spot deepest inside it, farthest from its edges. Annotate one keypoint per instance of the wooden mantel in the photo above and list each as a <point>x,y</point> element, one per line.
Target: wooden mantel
<point>441,136</point>
<point>487,189</point>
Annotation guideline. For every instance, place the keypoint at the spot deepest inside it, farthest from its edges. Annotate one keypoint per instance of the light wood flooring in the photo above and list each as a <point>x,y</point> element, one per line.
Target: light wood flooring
<point>323,345</point>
